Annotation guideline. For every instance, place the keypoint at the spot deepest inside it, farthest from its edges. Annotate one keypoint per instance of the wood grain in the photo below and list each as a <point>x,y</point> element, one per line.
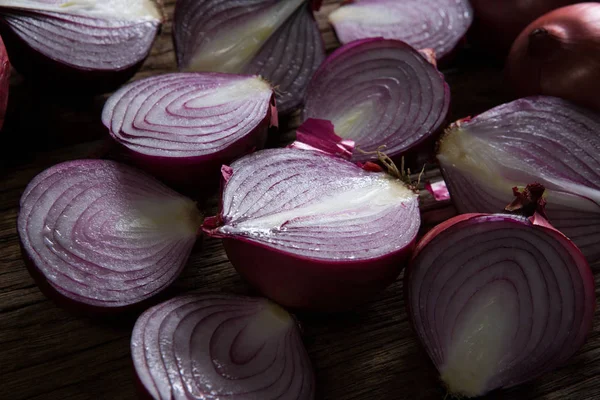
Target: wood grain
<point>370,353</point>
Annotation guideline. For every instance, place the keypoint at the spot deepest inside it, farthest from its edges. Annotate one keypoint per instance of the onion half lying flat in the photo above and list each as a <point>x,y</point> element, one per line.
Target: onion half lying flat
<point>377,93</point>
<point>104,235</point>
<point>435,24</point>
<point>498,300</point>
<point>94,45</point>
<point>313,230</point>
<point>218,346</point>
<point>537,139</point>
<point>4,81</point>
<point>182,127</point>
<point>278,40</point>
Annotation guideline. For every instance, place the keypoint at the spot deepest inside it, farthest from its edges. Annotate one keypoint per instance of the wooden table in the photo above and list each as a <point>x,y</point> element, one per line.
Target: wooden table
<point>48,353</point>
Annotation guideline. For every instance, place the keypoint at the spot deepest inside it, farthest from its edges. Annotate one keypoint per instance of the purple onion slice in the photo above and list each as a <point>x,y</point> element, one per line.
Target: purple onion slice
<point>541,139</point>
<point>278,40</point>
<point>104,235</point>
<point>424,24</point>
<point>498,300</point>
<point>221,346</point>
<point>182,127</point>
<point>95,45</point>
<point>380,92</point>
<point>312,230</point>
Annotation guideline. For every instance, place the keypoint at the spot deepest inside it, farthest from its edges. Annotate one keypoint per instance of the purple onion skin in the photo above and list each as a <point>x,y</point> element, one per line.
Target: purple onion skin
<point>4,81</point>
<point>314,285</point>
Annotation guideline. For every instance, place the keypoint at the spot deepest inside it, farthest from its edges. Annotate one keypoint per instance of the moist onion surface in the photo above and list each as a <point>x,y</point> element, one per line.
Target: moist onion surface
<point>278,40</point>
<point>316,205</point>
<point>189,114</point>
<point>379,92</point>
<point>497,301</point>
<point>94,35</point>
<point>104,234</point>
<point>537,139</point>
<point>212,346</point>
<point>434,24</point>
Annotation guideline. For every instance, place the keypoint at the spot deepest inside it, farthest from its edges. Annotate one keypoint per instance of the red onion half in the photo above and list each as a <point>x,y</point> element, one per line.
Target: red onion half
<point>313,230</point>
<point>221,346</point>
<point>537,139</point>
<point>92,45</point>
<point>4,81</point>
<point>104,235</point>
<point>278,40</point>
<point>182,127</point>
<point>498,300</point>
<point>435,24</point>
<point>379,92</point>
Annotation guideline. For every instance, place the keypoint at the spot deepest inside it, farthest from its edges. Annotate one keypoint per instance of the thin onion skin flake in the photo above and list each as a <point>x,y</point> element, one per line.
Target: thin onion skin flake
<point>312,230</point>
<point>535,139</point>
<point>498,300</point>
<point>278,40</point>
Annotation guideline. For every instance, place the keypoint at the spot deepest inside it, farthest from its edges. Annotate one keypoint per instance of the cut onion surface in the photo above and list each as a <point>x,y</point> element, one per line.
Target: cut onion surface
<point>4,81</point>
<point>541,139</point>
<point>85,44</point>
<point>104,235</point>
<point>380,92</point>
<point>436,24</point>
<point>218,346</point>
<point>278,40</point>
<point>498,299</point>
<point>312,230</point>
<point>182,127</point>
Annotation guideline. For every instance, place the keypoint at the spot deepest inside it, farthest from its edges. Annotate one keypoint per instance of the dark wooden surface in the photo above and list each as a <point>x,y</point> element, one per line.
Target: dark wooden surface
<point>370,353</point>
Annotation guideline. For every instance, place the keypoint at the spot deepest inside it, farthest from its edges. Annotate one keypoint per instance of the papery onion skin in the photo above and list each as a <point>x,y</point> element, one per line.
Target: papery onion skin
<point>368,88</point>
<point>337,237</point>
<point>467,237</point>
<point>182,127</point>
<point>558,55</point>
<point>286,54</point>
<point>4,81</point>
<point>498,23</point>
<point>90,54</point>
<point>543,139</point>
<point>218,345</point>
<point>436,24</point>
<point>103,237</point>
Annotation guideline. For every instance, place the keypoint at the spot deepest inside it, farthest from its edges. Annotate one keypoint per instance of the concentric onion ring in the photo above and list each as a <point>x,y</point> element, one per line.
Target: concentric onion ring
<point>215,346</point>
<point>184,126</point>
<point>536,139</point>
<point>379,93</point>
<point>433,24</point>
<point>104,235</point>
<point>313,230</point>
<point>498,300</point>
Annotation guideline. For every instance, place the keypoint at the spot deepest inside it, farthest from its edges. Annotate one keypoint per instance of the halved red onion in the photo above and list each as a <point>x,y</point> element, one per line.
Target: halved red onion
<point>312,230</point>
<point>379,92</point>
<point>4,81</point>
<point>93,45</point>
<point>182,127</point>
<point>278,40</point>
<point>436,24</point>
<point>498,300</point>
<point>221,346</point>
<point>104,235</point>
<point>542,139</point>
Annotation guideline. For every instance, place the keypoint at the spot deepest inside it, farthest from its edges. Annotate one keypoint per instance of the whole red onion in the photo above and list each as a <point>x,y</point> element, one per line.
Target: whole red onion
<point>559,55</point>
<point>4,77</point>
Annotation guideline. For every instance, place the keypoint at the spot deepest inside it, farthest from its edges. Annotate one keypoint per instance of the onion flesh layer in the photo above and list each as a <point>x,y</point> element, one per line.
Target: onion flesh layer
<point>377,93</point>
<point>278,40</point>
<point>497,300</point>
<point>434,24</point>
<point>103,234</point>
<point>538,139</point>
<point>211,346</point>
